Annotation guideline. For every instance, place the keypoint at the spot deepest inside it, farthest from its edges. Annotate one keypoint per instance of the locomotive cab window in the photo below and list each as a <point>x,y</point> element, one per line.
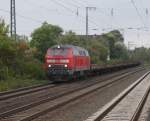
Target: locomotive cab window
<point>58,51</point>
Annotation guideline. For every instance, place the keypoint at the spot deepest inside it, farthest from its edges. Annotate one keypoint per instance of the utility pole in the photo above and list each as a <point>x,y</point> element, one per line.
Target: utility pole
<point>13,19</point>
<point>112,17</point>
<point>131,45</point>
<point>87,19</point>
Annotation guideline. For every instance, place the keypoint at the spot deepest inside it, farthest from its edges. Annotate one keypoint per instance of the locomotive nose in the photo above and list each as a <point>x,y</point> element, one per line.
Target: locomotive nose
<point>57,64</point>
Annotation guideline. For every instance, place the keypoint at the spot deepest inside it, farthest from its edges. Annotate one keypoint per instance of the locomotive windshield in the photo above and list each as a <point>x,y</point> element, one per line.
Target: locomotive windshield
<point>58,51</point>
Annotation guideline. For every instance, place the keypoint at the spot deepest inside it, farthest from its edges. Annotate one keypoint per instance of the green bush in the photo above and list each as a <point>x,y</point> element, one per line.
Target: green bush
<point>34,70</point>
<point>14,83</point>
<point>16,62</point>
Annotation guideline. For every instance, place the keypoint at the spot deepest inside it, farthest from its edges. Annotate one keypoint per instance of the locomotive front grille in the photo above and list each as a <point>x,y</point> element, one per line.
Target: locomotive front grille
<point>57,67</point>
<point>58,70</point>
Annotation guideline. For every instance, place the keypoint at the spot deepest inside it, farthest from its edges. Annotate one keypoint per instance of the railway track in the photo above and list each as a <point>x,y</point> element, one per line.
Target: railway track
<point>24,100</point>
<point>128,105</point>
<point>28,90</point>
<point>33,110</point>
<point>24,91</point>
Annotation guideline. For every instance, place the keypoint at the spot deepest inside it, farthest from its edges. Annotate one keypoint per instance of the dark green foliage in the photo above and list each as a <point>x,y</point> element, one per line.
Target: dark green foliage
<point>114,40</point>
<point>69,38</point>
<point>44,37</point>
<point>120,51</point>
<point>6,51</point>
<point>16,60</point>
<point>98,51</point>
<point>142,54</point>
<point>34,69</point>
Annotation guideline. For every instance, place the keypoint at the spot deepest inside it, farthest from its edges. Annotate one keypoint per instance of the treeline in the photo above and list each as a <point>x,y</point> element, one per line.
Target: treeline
<point>142,54</point>
<point>17,58</point>
<point>100,47</point>
<point>24,58</point>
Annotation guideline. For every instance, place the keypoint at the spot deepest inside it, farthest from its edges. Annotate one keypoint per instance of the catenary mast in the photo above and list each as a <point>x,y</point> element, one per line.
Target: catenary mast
<point>13,19</point>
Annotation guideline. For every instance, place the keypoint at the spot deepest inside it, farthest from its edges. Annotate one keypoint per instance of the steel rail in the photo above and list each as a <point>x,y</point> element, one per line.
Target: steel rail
<point>93,87</point>
<point>108,107</point>
<point>140,106</point>
<point>22,89</point>
<point>25,91</point>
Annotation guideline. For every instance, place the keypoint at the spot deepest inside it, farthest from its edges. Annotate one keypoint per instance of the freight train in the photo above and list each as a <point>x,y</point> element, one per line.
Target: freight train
<point>63,62</point>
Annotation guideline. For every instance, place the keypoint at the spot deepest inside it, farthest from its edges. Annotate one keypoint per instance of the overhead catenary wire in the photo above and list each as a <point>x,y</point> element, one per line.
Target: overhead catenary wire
<point>76,6</point>
<point>72,11</point>
<point>46,8</point>
<point>140,16</point>
<point>82,2</point>
<point>72,4</point>
<point>67,8</point>
<point>21,16</point>
<point>109,15</point>
<point>39,21</point>
<point>62,5</point>
<point>25,17</point>
<point>138,13</point>
<point>144,9</point>
<point>77,3</point>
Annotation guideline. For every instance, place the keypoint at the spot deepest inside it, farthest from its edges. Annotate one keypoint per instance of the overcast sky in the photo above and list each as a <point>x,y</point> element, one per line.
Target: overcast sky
<point>129,17</point>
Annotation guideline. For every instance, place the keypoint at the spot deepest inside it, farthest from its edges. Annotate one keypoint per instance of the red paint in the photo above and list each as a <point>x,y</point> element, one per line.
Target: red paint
<point>78,62</point>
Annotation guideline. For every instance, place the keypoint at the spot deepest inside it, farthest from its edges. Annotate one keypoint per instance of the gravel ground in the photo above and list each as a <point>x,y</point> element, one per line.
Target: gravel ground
<point>26,99</point>
<point>81,109</point>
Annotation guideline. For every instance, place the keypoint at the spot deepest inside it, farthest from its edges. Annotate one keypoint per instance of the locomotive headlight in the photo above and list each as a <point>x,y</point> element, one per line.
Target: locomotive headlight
<point>49,66</point>
<point>66,65</point>
<point>50,61</point>
<point>64,61</point>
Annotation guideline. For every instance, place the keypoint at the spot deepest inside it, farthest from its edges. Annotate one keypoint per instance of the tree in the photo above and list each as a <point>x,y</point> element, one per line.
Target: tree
<point>7,50</point>
<point>120,51</point>
<point>70,38</point>
<point>114,40</point>
<point>44,37</point>
<point>141,54</point>
<point>98,51</point>
<point>3,28</point>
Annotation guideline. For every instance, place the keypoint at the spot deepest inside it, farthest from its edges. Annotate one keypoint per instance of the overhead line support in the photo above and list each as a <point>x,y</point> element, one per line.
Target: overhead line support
<point>13,19</point>
<point>87,19</point>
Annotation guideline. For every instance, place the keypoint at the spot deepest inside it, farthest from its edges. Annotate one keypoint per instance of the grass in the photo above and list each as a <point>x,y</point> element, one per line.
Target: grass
<point>11,84</point>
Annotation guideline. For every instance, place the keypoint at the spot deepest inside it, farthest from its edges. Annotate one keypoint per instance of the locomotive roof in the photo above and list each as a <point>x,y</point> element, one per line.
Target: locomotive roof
<point>69,46</point>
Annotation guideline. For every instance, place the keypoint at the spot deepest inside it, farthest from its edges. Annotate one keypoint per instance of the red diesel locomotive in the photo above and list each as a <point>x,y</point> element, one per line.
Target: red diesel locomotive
<point>63,61</point>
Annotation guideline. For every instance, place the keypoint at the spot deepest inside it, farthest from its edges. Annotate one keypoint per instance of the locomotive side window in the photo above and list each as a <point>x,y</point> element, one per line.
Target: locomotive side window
<point>87,54</point>
<point>75,52</point>
<point>82,53</point>
<point>58,51</point>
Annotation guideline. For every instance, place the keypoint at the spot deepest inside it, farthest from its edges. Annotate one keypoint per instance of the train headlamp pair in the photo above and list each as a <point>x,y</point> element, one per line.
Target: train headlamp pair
<point>64,66</point>
<point>55,61</point>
